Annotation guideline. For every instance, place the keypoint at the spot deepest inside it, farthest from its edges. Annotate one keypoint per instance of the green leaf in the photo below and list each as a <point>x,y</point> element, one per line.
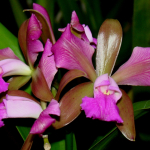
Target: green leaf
<point>59,145</point>
<point>65,9</point>
<point>90,14</point>
<point>7,39</point>
<point>70,142</point>
<point>141,23</point>
<point>101,142</point>
<point>24,131</point>
<point>20,17</point>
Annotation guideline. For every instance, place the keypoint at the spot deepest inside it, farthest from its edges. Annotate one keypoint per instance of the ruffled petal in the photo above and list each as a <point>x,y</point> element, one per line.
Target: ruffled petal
<point>136,71</point>
<point>34,46</point>
<point>72,53</point>
<point>47,63</point>
<point>102,108</point>
<point>45,120</point>
<point>21,107</point>
<point>3,85</point>
<point>3,113</point>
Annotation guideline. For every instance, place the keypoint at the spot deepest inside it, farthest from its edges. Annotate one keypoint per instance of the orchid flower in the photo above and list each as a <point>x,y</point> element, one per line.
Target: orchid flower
<point>81,31</point>
<point>10,64</point>
<point>71,53</point>
<point>133,72</point>
<point>25,106</point>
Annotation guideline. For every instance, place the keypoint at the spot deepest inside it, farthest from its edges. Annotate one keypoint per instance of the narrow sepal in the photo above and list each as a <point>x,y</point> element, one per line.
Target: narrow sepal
<point>125,106</point>
<point>28,142</point>
<point>17,82</point>
<point>40,87</point>
<point>22,38</point>
<point>70,103</point>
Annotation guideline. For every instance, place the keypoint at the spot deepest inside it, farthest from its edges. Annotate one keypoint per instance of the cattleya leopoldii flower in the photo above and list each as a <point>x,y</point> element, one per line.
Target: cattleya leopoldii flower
<point>73,53</point>
<point>25,106</point>
<point>42,77</point>
<point>11,65</point>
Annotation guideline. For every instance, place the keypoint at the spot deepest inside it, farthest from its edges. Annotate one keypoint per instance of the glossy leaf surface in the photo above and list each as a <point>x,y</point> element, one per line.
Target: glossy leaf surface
<point>70,103</point>
<point>126,112</point>
<point>17,82</point>
<point>39,86</point>
<point>108,46</point>
<point>7,39</point>
<point>22,38</point>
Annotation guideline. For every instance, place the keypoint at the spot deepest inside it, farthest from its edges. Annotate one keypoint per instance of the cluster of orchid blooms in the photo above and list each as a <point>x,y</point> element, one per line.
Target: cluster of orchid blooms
<point>98,97</point>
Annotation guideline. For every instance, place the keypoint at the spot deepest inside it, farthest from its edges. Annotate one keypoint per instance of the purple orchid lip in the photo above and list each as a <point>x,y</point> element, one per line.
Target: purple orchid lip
<point>3,113</point>
<point>103,105</point>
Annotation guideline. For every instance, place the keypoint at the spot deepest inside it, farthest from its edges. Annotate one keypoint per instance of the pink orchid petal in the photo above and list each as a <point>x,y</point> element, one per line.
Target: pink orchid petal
<point>102,80</point>
<point>136,71</point>
<point>41,124</point>
<point>21,107</point>
<point>52,109</point>
<point>3,113</point>
<point>47,63</point>
<point>72,53</point>
<point>62,29</point>
<point>43,11</point>
<point>7,53</point>
<point>75,22</point>
<point>14,67</point>
<point>34,46</point>
<point>88,33</point>
<point>102,108</point>
<point>44,120</point>
<point>105,83</point>
<point>4,85</point>
<point>95,41</point>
